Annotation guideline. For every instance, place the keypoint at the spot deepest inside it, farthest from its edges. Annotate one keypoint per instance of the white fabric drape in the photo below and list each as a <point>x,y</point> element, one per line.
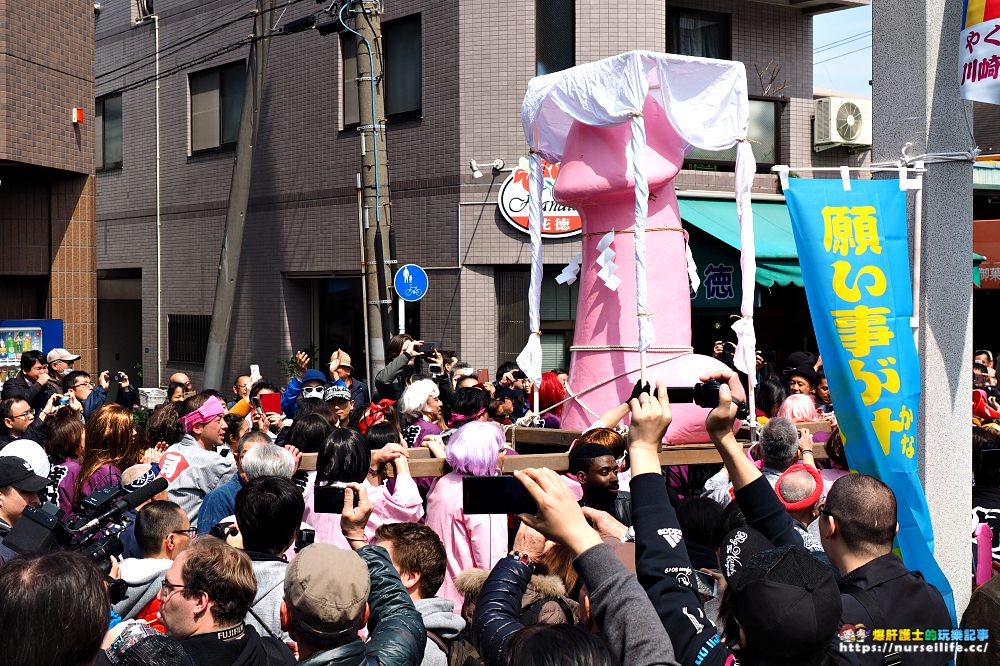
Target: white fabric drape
<point>706,103</point>
<point>530,358</point>
<point>637,159</point>
<point>746,337</point>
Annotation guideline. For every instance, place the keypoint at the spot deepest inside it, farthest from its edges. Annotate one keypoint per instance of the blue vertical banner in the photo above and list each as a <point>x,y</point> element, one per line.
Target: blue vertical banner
<point>855,263</point>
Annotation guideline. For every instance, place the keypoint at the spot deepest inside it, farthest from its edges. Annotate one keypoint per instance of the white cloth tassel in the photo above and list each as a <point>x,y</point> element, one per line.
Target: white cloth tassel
<point>571,271</point>
<point>606,261</point>
<point>530,358</point>
<point>692,268</point>
<point>637,159</point>
<point>746,337</point>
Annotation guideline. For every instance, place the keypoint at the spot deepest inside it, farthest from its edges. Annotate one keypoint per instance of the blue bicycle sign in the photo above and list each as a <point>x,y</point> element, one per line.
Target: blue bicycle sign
<point>410,283</point>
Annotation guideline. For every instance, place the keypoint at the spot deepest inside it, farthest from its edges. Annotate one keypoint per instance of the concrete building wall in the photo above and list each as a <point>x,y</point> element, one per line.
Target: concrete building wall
<point>46,52</point>
<point>47,216</point>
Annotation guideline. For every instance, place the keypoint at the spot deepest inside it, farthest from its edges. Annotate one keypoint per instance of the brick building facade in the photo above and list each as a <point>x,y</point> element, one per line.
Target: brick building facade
<point>299,280</point>
<point>47,215</point>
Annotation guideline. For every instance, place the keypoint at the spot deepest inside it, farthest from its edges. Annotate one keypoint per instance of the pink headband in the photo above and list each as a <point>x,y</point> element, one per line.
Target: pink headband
<point>808,501</point>
<point>212,409</point>
<point>459,419</point>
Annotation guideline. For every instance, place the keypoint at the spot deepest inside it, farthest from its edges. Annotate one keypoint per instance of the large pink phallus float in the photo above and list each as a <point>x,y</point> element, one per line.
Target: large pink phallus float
<point>620,127</point>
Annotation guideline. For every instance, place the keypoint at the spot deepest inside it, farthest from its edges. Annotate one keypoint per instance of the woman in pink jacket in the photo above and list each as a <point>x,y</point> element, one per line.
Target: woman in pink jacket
<point>345,457</point>
<point>473,541</point>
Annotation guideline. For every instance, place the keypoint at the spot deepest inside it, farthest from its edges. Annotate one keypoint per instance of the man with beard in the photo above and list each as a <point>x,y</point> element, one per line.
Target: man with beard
<point>594,466</point>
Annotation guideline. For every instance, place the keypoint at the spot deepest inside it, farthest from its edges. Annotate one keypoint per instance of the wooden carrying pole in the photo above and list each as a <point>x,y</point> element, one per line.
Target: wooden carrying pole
<point>423,465</point>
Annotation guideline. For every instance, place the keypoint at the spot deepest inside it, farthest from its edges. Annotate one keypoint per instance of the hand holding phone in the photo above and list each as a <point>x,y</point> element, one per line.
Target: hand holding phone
<point>707,584</point>
<point>330,499</point>
<point>270,402</point>
<point>496,495</point>
<point>354,517</point>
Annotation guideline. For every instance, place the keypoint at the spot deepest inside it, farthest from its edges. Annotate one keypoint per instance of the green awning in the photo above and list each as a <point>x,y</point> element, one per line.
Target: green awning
<point>777,258</point>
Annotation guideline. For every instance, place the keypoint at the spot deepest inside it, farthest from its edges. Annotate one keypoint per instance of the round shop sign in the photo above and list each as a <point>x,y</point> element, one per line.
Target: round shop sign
<point>558,221</point>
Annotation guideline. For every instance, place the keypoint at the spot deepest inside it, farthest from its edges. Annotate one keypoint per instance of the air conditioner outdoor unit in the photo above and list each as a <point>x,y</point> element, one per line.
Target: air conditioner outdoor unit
<point>841,121</point>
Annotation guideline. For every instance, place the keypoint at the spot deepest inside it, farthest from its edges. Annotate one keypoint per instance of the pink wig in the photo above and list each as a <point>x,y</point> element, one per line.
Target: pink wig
<point>799,408</point>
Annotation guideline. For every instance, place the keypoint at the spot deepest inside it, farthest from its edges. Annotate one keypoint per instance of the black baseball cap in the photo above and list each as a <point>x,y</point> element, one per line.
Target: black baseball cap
<point>17,472</point>
<point>786,600</point>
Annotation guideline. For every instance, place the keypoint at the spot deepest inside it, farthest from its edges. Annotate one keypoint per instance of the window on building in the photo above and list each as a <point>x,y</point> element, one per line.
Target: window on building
<point>555,35</point>
<point>402,43</point>
<point>557,311</point>
<point>108,130</point>
<point>348,52</point>
<point>764,132</point>
<point>696,33</point>
<point>216,105</point>
<point>187,337</point>
<point>558,314</point>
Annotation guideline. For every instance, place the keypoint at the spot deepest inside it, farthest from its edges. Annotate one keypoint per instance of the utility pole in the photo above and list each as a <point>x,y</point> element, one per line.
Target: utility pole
<point>915,48</point>
<point>374,176</point>
<point>239,196</point>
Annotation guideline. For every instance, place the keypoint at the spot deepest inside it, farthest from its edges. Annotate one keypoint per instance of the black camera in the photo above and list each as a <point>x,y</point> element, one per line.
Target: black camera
<point>119,377</point>
<point>706,394</point>
<point>102,498</point>
<point>95,533</point>
<point>304,537</point>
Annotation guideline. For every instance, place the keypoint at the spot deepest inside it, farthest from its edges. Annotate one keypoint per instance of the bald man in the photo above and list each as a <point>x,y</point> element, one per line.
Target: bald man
<point>800,489</point>
<point>183,380</point>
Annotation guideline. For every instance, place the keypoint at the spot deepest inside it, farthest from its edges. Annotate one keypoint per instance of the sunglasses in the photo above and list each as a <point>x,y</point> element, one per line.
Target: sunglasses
<point>314,391</point>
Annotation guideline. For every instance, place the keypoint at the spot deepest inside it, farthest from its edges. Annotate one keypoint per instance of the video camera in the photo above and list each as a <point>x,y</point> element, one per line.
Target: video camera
<point>94,533</point>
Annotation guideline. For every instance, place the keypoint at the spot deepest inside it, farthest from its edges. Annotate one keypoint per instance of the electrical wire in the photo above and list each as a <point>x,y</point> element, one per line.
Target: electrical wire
<point>843,41</point>
<point>188,41</point>
<point>181,67</point>
<point>863,48</point>
<point>278,20</point>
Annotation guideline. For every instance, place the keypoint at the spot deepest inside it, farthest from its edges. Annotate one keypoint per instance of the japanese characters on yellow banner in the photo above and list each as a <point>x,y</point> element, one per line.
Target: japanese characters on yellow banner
<point>855,264</point>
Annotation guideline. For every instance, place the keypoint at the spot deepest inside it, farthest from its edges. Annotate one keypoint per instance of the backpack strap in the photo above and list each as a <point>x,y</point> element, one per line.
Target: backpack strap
<point>439,641</point>
<point>264,624</point>
<point>867,602</point>
<point>874,613</point>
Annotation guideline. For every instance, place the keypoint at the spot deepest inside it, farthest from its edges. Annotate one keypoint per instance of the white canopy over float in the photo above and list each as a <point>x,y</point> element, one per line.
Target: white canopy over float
<point>706,102</point>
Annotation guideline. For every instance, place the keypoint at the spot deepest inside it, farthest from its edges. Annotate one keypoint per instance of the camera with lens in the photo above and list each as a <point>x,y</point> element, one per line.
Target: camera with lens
<point>119,377</point>
<point>95,532</point>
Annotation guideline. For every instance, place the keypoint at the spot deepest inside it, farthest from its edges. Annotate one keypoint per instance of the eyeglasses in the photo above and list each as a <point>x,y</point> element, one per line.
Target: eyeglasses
<point>82,384</point>
<point>170,589</point>
<point>314,391</point>
<point>822,510</point>
<point>27,416</point>
<point>190,532</point>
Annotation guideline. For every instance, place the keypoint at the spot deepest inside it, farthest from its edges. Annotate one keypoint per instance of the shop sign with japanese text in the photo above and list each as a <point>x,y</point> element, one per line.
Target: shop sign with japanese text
<point>558,221</point>
<point>855,262</point>
<point>979,54</point>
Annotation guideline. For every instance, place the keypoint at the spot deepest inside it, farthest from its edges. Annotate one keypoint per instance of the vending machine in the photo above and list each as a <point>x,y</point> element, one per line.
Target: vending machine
<point>19,336</point>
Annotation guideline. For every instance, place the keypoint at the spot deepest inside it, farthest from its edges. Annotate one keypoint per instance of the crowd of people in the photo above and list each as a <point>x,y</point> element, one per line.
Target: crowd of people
<point>252,555</point>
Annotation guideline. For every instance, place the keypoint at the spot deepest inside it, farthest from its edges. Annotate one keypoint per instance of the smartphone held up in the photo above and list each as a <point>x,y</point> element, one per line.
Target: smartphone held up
<point>502,494</point>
